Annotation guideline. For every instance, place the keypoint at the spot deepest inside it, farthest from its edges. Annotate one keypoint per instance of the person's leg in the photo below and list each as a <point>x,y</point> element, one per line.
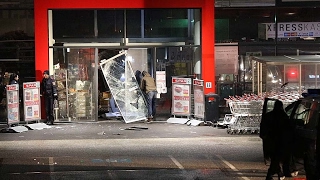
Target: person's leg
<point>50,106</point>
<point>274,167</point>
<point>154,103</point>
<point>149,100</point>
<point>47,105</point>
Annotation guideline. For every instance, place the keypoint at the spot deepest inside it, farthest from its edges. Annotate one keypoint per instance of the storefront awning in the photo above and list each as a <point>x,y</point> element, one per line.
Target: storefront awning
<point>301,59</point>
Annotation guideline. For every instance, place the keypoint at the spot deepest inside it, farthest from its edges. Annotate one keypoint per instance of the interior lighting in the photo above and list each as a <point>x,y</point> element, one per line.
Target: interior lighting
<point>129,58</point>
<point>308,38</point>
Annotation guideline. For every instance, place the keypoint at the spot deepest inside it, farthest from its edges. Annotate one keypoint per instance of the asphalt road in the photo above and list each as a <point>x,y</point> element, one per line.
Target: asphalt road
<point>115,150</point>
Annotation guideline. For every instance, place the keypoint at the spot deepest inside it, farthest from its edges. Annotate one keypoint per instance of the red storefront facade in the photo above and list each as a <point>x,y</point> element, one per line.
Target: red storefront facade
<point>207,27</point>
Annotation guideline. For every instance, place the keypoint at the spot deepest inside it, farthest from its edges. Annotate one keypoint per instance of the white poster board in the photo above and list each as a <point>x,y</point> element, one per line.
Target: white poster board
<point>181,102</point>
<point>198,92</point>
<point>13,103</point>
<point>161,82</point>
<point>226,59</point>
<point>31,97</point>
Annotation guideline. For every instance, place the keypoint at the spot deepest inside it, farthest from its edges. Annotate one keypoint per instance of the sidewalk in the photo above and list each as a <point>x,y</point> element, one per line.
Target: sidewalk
<point>116,129</point>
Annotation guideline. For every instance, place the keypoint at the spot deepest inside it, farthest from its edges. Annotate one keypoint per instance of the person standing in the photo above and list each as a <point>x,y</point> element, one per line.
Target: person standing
<point>49,91</point>
<point>14,78</point>
<point>274,130</point>
<point>6,78</point>
<point>148,86</point>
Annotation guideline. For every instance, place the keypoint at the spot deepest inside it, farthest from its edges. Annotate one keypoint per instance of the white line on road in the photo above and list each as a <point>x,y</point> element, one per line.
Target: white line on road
<point>176,162</point>
<point>51,164</point>
<point>232,167</point>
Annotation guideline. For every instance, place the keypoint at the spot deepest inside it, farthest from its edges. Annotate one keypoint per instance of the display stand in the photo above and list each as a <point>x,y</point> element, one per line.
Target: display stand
<point>32,105</point>
<point>181,101</point>
<point>13,115</point>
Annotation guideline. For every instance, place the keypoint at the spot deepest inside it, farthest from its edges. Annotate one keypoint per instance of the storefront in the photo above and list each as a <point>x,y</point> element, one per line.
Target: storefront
<point>292,74</point>
<point>73,58</point>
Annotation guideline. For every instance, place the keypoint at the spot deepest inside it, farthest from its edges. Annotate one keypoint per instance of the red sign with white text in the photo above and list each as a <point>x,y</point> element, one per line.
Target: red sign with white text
<point>198,94</point>
<point>181,103</point>
<point>13,103</point>
<point>32,105</point>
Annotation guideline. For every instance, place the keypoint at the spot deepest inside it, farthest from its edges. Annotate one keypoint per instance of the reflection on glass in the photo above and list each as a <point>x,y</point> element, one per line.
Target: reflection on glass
<point>74,78</point>
<point>125,90</point>
<point>274,79</point>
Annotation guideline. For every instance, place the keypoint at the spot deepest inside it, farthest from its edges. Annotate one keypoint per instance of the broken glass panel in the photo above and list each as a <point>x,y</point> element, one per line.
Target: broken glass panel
<point>124,87</point>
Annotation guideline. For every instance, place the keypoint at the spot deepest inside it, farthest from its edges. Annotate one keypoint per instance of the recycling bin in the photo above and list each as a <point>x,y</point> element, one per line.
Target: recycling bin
<point>211,107</point>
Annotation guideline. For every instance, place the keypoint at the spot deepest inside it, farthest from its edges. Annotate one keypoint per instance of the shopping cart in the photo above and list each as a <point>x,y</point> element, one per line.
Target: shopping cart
<point>246,111</point>
<point>246,117</point>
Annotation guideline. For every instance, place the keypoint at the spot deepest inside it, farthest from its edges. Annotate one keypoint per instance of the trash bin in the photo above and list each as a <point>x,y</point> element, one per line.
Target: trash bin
<point>211,107</point>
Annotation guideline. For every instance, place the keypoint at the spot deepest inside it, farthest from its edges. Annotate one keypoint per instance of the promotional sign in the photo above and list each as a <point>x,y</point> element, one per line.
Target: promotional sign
<point>13,103</point>
<point>198,98</point>
<point>289,29</point>
<point>161,82</point>
<point>226,59</point>
<point>181,88</point>
<point>31,97</point>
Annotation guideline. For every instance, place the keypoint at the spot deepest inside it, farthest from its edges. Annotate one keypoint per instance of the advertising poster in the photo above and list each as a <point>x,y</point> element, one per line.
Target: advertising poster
<point>198,98</point>
<point>181,88</point>
<point>13,103</point>
<point>161,81</point>
<point>31,96</point>
<point>226,58</point>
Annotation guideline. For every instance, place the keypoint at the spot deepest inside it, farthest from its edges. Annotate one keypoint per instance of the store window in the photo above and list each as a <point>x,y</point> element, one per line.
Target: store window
<point>168,23</point>
<point>110,23</point>
<point>74,75</point>
<point>134,23</point>
<point>241,24</point>
<point>73,23</point>
<point>17,43</point>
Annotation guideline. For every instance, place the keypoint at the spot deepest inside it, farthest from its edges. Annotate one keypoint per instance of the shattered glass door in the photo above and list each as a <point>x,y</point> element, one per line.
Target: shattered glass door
<point>124,88</point>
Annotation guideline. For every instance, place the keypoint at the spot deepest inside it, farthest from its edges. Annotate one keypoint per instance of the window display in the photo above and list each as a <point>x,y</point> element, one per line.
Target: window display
<point>74,84</point>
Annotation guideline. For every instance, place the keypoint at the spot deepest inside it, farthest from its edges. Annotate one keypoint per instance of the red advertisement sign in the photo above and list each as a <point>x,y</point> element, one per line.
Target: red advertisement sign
<point>13,103</point>
<point>198,98</point>
<point>176,80</point>
<point>32,105</point>
<point>181,103</point>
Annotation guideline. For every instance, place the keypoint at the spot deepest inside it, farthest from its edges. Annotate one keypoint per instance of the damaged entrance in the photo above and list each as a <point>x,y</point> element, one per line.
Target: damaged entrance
<point>129,101</point>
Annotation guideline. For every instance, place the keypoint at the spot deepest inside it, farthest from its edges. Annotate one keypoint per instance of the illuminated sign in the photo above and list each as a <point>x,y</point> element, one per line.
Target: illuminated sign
<point>289,30</point>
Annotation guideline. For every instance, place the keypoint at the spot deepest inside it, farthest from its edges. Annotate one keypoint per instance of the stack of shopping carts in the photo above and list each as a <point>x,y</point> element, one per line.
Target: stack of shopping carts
<point>246,111</point>
<point>246,116</point>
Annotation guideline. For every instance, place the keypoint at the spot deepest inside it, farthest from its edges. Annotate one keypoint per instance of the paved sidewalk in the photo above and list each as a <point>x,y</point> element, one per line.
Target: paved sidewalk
<point>116,129</point>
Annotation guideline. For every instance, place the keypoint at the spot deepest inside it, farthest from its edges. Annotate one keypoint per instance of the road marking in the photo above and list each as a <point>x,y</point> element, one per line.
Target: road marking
<point>232,167</point>
<point>51,164</point>
<point>176,162</point>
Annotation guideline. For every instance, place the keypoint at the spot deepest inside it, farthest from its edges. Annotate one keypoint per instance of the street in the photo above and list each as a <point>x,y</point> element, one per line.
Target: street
<point>115,150</point>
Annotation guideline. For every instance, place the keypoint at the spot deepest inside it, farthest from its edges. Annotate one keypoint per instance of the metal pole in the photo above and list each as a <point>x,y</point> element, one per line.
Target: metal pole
<point>260,78</point>
<point>252,70</point>
<point>300,79</point>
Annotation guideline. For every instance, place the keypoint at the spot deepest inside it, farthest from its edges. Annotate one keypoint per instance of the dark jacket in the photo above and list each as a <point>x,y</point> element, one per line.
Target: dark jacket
<point>147,83</point>
<point>49,88</point>
<point>138,76</point>
<point>13,82</point>
<point>276,131</point>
